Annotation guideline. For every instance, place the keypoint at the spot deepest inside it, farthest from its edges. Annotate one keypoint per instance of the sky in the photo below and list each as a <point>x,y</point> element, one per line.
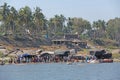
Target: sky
<point>91,10</point>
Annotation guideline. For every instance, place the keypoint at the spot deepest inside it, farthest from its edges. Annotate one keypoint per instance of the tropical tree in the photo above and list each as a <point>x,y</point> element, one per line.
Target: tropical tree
<point>13,18</point>
<point>78,25</point>
<point>113,29</point>
<point>99,28</point>
<point>57,24</point>
<point>69,25</point>
<point>4,13</point>
<point>39,20</point>
<point>25,18</point>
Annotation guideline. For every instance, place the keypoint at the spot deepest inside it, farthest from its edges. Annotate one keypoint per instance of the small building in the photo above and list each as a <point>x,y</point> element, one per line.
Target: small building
<point>71,41</point>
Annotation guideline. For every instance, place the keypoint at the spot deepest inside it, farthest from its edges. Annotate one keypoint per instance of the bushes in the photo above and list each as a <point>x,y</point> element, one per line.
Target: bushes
<point>106,42</point>
<point>1,54</point>
<point>116,55</point>
<point>99,42</point>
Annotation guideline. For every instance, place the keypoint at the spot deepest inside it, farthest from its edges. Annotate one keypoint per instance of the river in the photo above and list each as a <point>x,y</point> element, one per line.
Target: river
<point>61,71</point>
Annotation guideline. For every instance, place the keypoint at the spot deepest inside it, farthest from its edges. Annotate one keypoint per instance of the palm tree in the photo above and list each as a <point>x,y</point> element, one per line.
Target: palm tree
<point>39,20</point>
<point>69,25</point>
<point>62,19</point>
<point>99,28</point>
<point>13,19</point>
<point>25,18</point>
<point>5,11</point>
<point>58,22</point>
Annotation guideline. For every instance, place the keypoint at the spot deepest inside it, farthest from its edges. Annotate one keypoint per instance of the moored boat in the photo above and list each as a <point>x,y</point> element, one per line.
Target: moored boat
<point>2,63</point>
<point>106,61</point>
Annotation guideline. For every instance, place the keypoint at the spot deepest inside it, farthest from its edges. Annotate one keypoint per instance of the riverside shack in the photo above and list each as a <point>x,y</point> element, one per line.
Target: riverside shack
<point>71,41</point>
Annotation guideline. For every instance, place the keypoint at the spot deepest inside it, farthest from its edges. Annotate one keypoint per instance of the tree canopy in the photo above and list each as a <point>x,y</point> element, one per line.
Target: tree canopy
<point>25,21</point>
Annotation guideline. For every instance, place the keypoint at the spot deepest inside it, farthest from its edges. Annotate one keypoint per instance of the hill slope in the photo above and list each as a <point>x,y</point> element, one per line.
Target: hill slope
<point>24,41</point>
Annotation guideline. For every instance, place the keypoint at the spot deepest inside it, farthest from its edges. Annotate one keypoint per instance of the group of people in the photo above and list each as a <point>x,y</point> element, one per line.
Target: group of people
<point>48,59</point>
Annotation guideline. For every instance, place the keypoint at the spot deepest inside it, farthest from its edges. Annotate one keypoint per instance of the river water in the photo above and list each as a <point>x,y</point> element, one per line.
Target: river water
<point>61,71</point>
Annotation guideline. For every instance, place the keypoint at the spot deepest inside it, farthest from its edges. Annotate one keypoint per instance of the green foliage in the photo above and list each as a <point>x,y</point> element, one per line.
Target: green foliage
<point>0,17</point>
<point>78,25</point>
<point>99,41</point>
<point>111,44</point>
<point>26,22</point>
<point>99,29</point>
<point>112,47</point>
<point>57,24</point>
<point>84,37</point>
<point>59,34</point>
<point>1,54</point>
<point>113,29</point>
<point>116,55</point>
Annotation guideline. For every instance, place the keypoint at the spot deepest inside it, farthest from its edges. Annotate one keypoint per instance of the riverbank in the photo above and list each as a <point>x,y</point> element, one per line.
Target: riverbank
<point>43,54</point>
<point>116,60</point>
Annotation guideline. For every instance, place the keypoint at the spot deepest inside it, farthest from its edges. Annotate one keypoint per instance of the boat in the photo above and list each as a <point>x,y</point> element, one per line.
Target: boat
<point>106,61</point>
<point>69,63</point>
<point>2,63</point>
<point>93,61</point>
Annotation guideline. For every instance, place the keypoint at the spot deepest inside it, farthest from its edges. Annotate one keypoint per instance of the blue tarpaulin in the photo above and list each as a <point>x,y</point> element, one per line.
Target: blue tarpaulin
<point>25,55</point>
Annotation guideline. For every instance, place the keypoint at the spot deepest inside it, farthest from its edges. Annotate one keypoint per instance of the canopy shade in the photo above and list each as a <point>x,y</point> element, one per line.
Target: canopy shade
<point>62,52</point>
<point>25,55</point>
<point>46,53</point>
<point>49,52</point>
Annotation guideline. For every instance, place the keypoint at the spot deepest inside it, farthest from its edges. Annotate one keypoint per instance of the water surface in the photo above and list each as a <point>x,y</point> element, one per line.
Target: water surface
<point>61,71</point>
